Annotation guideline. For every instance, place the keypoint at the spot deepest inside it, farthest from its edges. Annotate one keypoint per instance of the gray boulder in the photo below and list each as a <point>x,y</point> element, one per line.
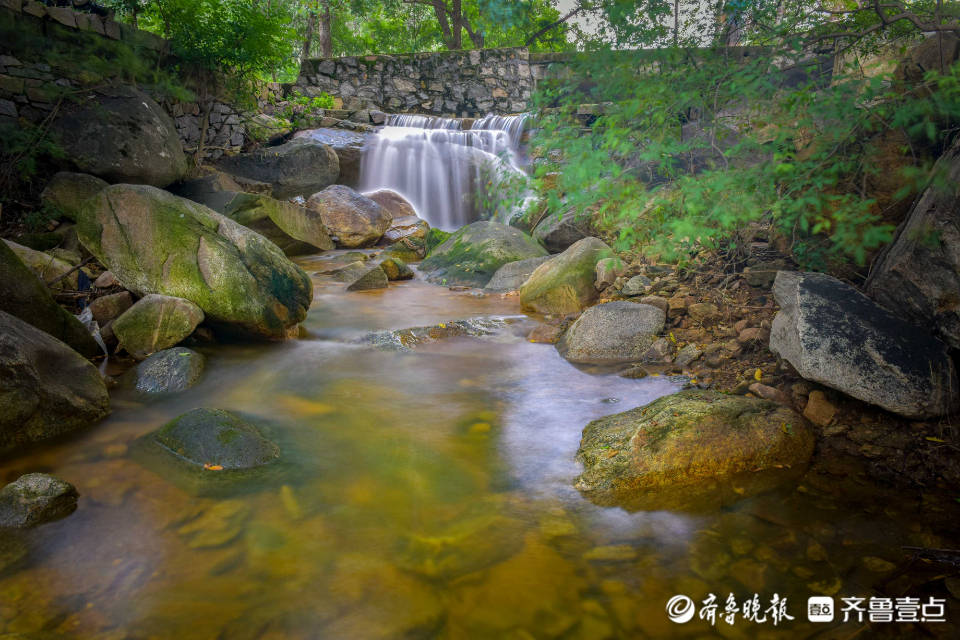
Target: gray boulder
<point>298,168</point>
<point>918,276</point>
<point>348,146</point>
<point>23,295</point>
<point>122,135</point>
<point>169,371</point>
<point>46,388</point>
<point>833,334</point>
<point>557,233</point>
<point>216,438</point>
<point>612,333</point>
<point>472,255</point>
<point>511,276</point>
<point>34,499</point>
<point>353,219</point>
<point>67,191</point>
<point>372,277</point>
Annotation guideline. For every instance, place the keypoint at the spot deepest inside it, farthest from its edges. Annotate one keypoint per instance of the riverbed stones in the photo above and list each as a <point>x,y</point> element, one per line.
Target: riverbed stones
<point>565,284</point>
<point>46,388</point>
<point>23,295</point>
<point>511,276</point>
<point>396,269</point>
<point>690,444</point>
<point>121,135</point>
<point>636,286</point>
<point>110,307</point>
<point>34,499</point>
<point>354,220</point>
<point>558,232</point>
<point>155,323</point>
<point>370,278</point>
<point>918,277</point>
<point>473,254</point>
<point>612,333</point>
<point>155,242</point>
<point>214,438</point>
<point>169,371</point>
<point>300,167</point>
<point>835,335</point>
<point>66,191</point>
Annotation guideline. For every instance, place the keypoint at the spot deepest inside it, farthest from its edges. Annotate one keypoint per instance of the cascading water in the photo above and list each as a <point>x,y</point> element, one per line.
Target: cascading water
<point>452,176</point>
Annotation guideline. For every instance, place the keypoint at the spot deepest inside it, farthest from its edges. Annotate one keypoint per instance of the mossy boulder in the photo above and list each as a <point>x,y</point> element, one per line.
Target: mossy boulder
<point>121,135</point>
<point>155,242</point>
<point>46,388</point>
<point>296,230</point>
<point>370,278</point>
<point>216,439</point>
<point>23,295</point>
<point>353,219</point>
<point>434,238</point>
<point>690,447</point>
<point>168,371</point>
<point>66,191</point>
<point>48,268</point>
<point>34,499</point>
<point>611,333</point>
<point>156,323</point>
<point>565,284</point>
<point>473,254</point>
<point>558,232</point>
<point>396,269</point>
<point>300,167</point>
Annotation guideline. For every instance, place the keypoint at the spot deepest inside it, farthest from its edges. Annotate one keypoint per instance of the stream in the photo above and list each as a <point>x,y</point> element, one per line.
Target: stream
<point>425,494</point>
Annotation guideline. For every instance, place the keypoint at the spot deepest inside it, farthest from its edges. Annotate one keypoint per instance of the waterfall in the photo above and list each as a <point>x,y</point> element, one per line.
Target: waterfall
<point>452,175</point>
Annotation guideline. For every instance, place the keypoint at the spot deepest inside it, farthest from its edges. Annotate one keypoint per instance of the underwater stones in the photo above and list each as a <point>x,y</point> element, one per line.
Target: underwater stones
<point>396,269</point>
<point>122,135</point>
<point>689,446</point>
<point>34,499</point>
<point>300,167</point>
<point>354,220</point>
<point>565,284</point>
<point>512,275</point>
<point>23,295</point>
<point>408,339</point>
<point>558,232</point>
<point>155,242</point>
<point>156,323</point>
<point>46,388</point>
<point>217,526</point>
<point>612,333</point>
<point>169,371</point>
<point>216,440</point>
<point>66,191</point>
<point>472,255</point>
<point>833,334</point>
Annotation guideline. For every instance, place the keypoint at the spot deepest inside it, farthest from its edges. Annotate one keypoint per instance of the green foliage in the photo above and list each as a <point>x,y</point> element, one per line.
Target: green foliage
<point>298,110</point>
<point>693,145</point>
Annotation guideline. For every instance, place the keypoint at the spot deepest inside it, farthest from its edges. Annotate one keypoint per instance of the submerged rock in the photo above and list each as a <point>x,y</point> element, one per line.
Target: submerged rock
<point>169,371</point>
<point>611,333</point>
<point>354,220</point>
<point>298,168</point>
<point>512,275</point>
<point>23,295</point>
<point>156,323</point>
<point>34,499</point>
<point>472,255</point>
<point>46,389</point>
<point>122,135</point>
<point>66,191</point>
<point>557,233</point>
<point>216,440</point>
<point>155,242</point>
<point>833,334</point>
<point>565,284</point>
<point>408,339</point>
<point>373,277</point>
<point>688,447</point>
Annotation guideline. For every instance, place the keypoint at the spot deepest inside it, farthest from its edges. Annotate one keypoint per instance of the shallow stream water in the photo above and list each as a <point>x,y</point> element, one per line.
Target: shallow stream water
<point>427,494</point>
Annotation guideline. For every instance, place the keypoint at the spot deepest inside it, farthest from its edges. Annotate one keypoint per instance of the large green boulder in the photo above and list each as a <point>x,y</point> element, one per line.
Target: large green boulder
<point>565,284</point>
<point>155,242</point>
<point>121,135</point>
<point>300,167</point>
<point>66,191</point>
<point>156,323</point>
<point>354,219</point>
<point>23,295</point>
<point>296,230</point>
<point>473,254</point>
<point>216,438</point>
<point>688,447</point>
<point>46,388</point>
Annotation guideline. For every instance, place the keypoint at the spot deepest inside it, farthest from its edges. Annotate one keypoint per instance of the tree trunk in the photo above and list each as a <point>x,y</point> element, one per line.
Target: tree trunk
<point>326,30</point>
<point>308,36</point>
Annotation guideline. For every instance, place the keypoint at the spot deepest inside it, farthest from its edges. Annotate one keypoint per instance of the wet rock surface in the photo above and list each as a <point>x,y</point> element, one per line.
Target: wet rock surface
<point>565,284</point>
<point>352,219</point>
<point>610,333</point>
<point>156,323</point>
<point>34,499</point>
<point>300,167</point>
<point>216,439</point>
<point>169,371</point>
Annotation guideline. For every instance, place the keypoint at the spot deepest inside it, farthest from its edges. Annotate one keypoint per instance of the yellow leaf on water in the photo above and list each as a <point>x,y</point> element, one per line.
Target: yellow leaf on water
<point>213,467</point>
<point>758,375</point>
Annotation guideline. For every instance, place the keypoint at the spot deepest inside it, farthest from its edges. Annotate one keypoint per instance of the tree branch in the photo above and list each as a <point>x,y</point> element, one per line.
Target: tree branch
<point>553,25</point>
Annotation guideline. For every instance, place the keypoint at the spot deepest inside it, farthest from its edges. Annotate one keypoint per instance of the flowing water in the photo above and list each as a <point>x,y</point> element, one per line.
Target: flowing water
<point>451,175</point>
<point>426,494</point>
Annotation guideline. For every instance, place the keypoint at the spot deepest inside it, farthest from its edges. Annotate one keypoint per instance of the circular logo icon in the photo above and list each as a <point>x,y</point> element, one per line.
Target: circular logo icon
<point>680,609</point>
